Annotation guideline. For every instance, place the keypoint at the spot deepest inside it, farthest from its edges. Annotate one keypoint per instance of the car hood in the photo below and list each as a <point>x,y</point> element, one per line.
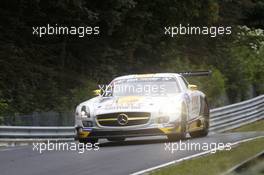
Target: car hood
<point>133,104</point>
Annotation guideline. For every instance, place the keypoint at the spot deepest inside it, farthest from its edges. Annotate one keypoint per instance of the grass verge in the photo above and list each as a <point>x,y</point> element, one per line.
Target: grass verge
<point>221,161</point>
<point>256,126</point>
<point>216,163</point>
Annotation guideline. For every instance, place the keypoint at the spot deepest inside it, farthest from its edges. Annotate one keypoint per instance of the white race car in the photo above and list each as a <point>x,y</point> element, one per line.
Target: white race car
<point>143,105</point>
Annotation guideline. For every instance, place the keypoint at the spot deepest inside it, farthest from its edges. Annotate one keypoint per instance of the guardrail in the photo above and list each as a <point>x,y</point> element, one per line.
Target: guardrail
<point>221,119</point>
<point>36,132</point>
<point>236,115</point>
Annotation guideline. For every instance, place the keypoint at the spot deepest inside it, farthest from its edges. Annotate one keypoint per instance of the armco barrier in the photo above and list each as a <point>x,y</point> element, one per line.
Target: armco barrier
<point>221,119</point>
<point>36,132</point>
<point>236,115</point>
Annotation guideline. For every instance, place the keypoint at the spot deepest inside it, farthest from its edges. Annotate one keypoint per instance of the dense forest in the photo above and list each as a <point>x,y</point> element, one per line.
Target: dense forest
<point>55,73</point>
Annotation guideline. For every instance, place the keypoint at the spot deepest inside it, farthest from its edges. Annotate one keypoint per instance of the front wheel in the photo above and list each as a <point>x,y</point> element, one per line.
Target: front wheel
<point>182,134</point>
<point>200,133</point>
<point>205,130</point>
<point>88,140</point>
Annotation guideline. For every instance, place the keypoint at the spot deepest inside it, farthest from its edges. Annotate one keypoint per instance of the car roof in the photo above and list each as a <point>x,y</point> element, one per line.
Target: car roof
<point>148,75</point>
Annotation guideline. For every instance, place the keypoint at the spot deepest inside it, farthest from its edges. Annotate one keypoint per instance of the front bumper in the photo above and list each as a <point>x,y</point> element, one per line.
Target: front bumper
<point>128,132</point>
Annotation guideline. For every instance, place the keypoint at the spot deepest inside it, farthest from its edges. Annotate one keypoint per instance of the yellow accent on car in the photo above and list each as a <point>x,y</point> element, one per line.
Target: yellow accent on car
<point>84,134</point>
<point>193,126</point>
<point>170,130</point>
<point>97,92</point>
<point>129,99</point>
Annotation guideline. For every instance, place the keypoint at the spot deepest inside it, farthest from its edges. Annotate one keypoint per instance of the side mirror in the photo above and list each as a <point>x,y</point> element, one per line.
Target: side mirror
<point>97,92</point>
<point>192,87</point>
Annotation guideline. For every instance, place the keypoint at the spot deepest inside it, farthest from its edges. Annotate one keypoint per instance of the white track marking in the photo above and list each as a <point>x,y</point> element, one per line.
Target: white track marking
<point>189,157</point>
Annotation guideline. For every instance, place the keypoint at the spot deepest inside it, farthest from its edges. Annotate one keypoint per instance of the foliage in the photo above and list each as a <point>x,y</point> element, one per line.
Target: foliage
<point>56,73</point>
<point>3,108</point>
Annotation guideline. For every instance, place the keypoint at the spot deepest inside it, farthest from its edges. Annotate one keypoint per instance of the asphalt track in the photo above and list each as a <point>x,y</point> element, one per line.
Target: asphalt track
<point>111,159</point>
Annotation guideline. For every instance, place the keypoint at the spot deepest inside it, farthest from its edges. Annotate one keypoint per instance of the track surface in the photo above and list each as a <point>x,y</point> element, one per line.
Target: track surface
<point>112,158</point>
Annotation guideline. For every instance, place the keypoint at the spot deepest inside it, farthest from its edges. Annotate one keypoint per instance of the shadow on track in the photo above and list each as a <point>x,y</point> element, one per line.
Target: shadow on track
<point>136,142</point>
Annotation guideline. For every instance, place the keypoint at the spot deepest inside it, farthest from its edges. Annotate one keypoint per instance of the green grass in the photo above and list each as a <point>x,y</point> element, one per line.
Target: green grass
<point>221,161</point>
<point>256,126</point>
<point>217,163</point>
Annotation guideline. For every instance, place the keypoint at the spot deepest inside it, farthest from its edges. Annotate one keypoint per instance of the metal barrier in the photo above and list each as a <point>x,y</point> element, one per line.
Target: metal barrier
<point>36,132</point>
<point>221,119</point>
<point>236,115</point>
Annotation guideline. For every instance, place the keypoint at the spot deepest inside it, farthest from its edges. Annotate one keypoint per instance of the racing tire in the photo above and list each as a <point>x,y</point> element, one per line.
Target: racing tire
<point>182,134</point>
<point>116,139</point>
<point>205,130</point>
<point>90,140</point>
<point>200,133</point>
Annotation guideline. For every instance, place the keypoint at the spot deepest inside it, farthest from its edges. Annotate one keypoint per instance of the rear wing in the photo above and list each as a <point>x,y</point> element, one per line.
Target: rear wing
<point>195,73</point>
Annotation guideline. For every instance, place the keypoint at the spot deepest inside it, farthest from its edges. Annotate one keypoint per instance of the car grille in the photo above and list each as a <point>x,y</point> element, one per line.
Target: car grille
<point>133,118</point>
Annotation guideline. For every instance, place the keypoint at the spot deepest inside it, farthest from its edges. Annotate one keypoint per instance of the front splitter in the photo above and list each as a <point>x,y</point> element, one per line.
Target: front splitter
<point>108,133</point>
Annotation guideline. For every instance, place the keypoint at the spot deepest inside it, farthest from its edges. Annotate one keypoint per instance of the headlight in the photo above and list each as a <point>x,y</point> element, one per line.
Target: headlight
<point>169,112</point>
<point>169,109</point>
<point>85,112</point>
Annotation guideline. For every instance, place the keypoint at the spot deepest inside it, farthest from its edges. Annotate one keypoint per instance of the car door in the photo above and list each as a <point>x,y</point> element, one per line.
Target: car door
<point>193,97</point>
<point>187,95</point>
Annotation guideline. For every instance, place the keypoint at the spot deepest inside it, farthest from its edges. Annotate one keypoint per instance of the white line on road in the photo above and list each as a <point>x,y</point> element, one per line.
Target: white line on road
<point>189,157</point>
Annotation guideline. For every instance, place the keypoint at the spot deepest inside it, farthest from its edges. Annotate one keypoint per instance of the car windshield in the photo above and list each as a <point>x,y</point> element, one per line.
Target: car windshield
<point>152,86</point>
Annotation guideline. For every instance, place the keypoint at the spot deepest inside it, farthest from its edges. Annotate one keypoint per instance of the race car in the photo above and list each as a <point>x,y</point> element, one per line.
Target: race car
<point>144,105</point>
